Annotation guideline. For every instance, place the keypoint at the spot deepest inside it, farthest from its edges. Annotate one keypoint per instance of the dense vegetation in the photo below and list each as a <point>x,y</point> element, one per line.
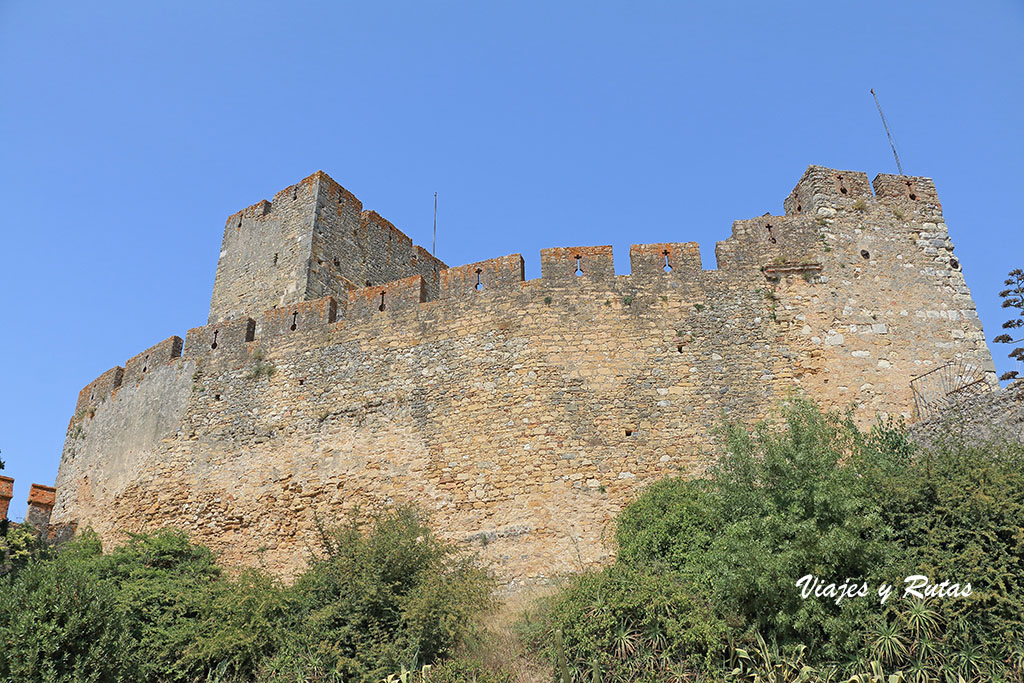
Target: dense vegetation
<point>705,580</point>
<point>704,587</point>
<point>381,595</point>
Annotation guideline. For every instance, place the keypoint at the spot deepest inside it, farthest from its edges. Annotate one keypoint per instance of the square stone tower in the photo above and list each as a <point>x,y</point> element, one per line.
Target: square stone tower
<point>312,241</point>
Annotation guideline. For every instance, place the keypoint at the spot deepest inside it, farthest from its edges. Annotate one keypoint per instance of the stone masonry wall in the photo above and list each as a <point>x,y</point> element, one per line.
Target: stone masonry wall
<point>313,240</point>
<point>524,415</point>
<point>996,416</point>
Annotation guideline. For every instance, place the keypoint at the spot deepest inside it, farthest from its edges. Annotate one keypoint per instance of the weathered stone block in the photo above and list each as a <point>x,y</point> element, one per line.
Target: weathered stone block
<point>495,274</point>
<point>568,263</point>
<point>136,367</point>
<point>227,338</point>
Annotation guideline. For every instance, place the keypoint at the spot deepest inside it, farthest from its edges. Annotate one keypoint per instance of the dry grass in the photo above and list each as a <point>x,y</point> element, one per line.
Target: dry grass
<point>499,646</point>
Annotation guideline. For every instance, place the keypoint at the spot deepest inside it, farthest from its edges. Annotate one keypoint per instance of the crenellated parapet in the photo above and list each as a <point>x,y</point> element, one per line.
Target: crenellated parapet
<point>657,260</point>
<point>226,339</point>
<point>906,189</point>
<point>827,188</point>
<point>499,274</point>
<point>354,255</point>
<point>568,263</point>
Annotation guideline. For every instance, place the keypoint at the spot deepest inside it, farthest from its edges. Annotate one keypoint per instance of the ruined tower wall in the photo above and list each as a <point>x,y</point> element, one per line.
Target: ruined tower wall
<point>524,415</point>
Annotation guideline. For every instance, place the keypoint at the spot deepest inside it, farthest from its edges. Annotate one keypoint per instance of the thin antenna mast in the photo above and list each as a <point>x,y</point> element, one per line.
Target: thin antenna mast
<point>433,248</point>
<point>888,134</point>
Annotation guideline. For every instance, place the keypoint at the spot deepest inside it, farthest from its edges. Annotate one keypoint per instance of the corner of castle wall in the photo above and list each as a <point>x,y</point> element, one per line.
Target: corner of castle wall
<point>255,212</point>
<point>330,192</point>
<point>40,504</point>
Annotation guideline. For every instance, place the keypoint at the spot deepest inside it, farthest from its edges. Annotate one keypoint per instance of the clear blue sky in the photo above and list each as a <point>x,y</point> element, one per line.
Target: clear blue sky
<point>131,130</point>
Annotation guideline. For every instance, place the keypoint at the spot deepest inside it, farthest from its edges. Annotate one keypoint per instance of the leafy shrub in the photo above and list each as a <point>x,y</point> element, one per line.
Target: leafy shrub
<point>59,623</point>
<point>627,620</point>
<point>814,495</point>
<point>385,594</point>
<point>19,544</point>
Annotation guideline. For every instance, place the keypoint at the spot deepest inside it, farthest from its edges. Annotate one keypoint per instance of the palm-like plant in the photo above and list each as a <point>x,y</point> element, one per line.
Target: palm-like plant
<point>922,621</point>
<point>625,641</point>
<point>887,642</point>
<point>766,664</point>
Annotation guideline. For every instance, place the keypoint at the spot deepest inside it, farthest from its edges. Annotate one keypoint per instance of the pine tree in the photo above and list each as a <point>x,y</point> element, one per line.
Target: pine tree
<point>1013,297</point>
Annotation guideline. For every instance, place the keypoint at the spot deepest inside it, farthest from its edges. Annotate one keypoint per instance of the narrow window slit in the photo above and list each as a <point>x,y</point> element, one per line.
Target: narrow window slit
<point>771,236</point>
<point>295,321</point>
<point>668,266</point>
<point>275,259</point>
<point>214,344</point>
<point>479,285</point>
<point>381,307</point>
<point>579,270</point>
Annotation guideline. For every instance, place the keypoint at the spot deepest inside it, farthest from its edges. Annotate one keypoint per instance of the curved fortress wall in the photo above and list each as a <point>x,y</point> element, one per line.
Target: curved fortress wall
<point>524,414</point>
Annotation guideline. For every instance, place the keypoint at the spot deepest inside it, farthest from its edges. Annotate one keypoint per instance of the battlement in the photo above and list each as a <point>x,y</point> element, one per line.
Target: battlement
<point>6,494</point>
<point>40,502</point>
<point>762,249</point>
<point>342,364</point>
<point>911,189</point>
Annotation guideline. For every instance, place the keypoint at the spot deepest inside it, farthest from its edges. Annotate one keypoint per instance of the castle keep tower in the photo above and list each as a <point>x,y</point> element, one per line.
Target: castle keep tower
<point>342,365</point>
<point>313,240</point>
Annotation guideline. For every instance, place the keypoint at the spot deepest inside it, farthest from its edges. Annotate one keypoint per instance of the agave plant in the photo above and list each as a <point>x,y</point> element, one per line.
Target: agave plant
<point>625,641</point>
<point>970,661</point>
<point>922,621</point>
<point>767,665</point>
<point>887,642</point>
<point>877,675</point>
<point>1015,660</point>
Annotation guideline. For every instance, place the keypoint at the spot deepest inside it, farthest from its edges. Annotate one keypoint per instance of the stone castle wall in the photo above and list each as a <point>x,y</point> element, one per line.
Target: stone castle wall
<point>523,414</point>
